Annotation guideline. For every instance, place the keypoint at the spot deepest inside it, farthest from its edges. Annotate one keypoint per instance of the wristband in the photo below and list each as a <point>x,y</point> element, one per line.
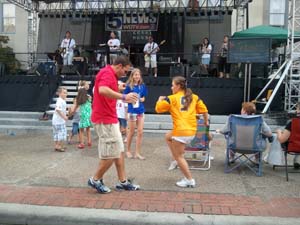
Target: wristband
<point>123,97</point>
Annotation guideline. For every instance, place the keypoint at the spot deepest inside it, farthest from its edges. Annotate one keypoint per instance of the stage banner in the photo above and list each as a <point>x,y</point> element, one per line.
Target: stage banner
<point>131,22</point>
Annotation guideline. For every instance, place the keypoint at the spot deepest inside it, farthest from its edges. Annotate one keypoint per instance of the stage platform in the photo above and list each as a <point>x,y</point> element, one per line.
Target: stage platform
<point>222,96</point>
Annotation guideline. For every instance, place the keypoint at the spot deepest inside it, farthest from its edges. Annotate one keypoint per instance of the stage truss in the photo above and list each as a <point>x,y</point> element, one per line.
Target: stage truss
<point>292,82</point>
<point>112,5</point>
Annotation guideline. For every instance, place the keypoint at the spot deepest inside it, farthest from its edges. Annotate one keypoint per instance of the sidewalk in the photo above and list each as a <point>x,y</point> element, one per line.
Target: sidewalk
<point>33,175</point>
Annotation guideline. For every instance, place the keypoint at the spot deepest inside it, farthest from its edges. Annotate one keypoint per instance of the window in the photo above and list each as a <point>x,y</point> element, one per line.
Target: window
<point>277,12</point>
<point>8,18</point>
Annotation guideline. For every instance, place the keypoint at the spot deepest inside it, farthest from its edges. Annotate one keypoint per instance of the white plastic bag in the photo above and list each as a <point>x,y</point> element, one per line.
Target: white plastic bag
<point>276,154</point>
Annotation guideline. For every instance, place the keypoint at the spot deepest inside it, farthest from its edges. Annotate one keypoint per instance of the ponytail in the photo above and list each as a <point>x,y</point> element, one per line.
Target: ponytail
<point>188,94</point>
<point>188,97</point>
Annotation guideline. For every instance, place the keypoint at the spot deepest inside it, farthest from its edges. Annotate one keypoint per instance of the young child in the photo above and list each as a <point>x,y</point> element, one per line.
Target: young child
<point>83,84</point>
<point>136,112</point>
<point>74,111</point>
<point>122,109</point>
<point>59,120</point>
<point>84,103</point>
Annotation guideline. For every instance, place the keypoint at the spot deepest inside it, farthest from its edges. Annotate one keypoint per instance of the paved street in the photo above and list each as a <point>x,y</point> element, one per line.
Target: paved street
<point>31,172</point>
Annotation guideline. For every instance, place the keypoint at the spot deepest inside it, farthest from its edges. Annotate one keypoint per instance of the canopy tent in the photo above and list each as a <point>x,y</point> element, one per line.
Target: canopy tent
<point>275,33</point>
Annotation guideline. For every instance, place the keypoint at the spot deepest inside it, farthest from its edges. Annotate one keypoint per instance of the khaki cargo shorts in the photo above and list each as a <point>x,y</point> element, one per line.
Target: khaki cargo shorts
<point>110,143</point>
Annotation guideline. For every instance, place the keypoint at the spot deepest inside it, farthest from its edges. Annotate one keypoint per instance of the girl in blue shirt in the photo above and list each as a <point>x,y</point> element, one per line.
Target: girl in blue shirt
<point>136,112</point>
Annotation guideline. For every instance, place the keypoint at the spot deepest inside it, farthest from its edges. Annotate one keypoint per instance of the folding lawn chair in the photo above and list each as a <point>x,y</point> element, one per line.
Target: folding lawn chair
<point>245,143</point>
<point>197,152</point>
<point>293,147</point>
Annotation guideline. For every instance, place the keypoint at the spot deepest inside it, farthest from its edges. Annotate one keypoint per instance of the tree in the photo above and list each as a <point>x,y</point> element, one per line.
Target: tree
<point>7,56</point>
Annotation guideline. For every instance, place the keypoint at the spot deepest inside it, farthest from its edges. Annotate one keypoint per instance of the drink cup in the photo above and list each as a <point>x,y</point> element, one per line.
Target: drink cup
<point>137,103</point>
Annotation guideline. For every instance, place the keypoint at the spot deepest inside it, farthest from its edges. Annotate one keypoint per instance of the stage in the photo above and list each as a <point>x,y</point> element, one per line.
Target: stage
<point>222,96</point>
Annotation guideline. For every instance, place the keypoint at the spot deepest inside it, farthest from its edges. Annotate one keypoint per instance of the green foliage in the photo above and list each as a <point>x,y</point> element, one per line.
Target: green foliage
<point>7,57</point>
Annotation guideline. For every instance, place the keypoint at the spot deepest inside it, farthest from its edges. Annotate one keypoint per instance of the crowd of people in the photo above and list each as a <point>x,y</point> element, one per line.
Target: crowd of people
<point>117,109</point>
<point>115,103</point>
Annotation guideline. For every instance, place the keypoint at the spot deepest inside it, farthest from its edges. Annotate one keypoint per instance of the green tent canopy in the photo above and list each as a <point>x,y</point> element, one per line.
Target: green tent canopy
<point>276,33</point>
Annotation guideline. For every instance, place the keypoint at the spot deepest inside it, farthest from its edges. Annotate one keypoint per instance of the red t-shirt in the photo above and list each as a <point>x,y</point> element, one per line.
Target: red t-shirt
<point>104,108</point>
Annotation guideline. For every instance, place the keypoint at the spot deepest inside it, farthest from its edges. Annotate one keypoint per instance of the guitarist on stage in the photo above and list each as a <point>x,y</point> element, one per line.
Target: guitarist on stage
<point>67,49</point>
<point>150,50</point>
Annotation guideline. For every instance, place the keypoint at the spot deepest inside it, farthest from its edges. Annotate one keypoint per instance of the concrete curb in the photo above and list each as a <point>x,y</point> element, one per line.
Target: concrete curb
<point>48,215</point>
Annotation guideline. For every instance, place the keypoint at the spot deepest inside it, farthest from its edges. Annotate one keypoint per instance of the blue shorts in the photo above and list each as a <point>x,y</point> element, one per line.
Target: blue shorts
<point>75,128</point>
<point>123,122</point>
<point>205,61</point>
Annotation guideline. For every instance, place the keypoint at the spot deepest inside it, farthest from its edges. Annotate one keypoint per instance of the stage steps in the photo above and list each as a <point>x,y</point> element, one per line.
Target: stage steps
<point>71,86</point>
<point>12,123</point>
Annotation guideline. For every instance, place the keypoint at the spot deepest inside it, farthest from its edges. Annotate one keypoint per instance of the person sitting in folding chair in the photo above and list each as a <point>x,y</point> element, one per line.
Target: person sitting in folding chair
<point>183,106</point>
<point>283,136</point>
<point>261,132</point>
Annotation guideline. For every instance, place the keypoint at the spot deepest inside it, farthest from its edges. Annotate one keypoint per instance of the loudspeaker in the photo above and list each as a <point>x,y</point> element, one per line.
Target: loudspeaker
<point>177,70</point>
<point>42,69</point>
<point>81,67</point>
<point>49,68</point>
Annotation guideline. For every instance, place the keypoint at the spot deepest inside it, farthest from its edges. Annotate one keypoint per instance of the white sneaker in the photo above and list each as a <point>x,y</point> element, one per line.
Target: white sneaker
<point>185,183</point>
<point>209,144</point>
<point>173,165</point>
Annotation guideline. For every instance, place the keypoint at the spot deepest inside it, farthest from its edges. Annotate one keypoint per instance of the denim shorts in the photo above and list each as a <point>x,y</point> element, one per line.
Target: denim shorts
<point>75,128</point>
<point>123,122</point>
<point>135,117</point>
<point>205,61</point>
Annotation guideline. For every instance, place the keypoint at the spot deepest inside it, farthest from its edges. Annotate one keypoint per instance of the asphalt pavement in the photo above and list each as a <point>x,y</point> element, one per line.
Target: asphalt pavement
<point>28,163</point>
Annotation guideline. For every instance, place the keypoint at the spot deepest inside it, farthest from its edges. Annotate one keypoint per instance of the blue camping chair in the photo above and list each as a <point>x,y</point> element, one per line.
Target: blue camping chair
<point>197,153</point>
<point>245,143</point>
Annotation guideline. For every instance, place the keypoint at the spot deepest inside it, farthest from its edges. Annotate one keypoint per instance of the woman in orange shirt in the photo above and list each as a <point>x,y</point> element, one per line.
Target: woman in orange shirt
<point>183,106</point>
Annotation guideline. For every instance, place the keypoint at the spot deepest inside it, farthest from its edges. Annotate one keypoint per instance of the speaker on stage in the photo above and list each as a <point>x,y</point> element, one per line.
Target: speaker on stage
<point>81,65</point>
<point>49,68</point>
<point>43,69</point>
<point>177,70</point>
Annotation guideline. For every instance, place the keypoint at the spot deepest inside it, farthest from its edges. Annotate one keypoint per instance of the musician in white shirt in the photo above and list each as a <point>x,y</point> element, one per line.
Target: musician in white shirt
<point>150,50</point>
<point>114,46</point>
<point>68,45</point>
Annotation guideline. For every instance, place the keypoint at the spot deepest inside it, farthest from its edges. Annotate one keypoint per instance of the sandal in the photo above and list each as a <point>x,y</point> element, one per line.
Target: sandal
<point>139,157</point>
<point>89,144</point>
<point>80,146</point>
<point>129,155</point>
<point>59,149</point>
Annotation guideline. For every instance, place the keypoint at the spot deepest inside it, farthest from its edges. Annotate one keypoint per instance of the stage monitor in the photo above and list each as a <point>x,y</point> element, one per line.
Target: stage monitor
<point>249,50</point>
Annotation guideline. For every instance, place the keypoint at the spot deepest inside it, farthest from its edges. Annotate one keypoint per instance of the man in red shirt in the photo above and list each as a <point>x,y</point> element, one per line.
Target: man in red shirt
<point>104,116</point>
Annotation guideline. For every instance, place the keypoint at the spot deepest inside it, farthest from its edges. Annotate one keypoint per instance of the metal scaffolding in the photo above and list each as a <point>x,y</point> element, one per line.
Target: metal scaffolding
<point>32,20</point>
<point>241,13</point>
<point>52,6</point>
<point>292,81</point>
<point>28,5</point>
